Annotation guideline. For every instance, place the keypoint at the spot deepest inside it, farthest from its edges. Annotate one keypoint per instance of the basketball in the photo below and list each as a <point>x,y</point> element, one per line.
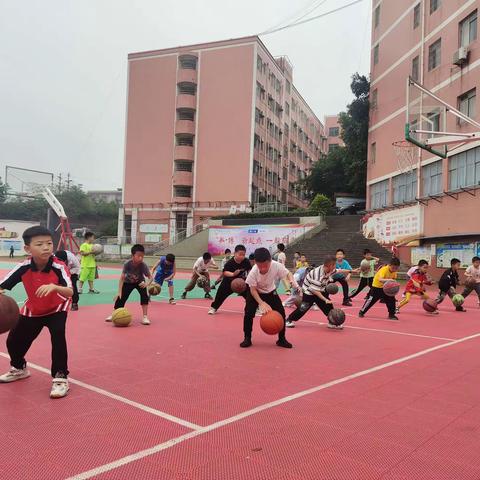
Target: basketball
<point>9,313</point>
<point>121,317</point>
<point>154,289</point>
<point>97,249</point>
<point>338,276</point>
<point>336,316</point>
<point>272,323</point>
<point>429,305</point>
<point>365,266</point>
<point>469,282</point>
<point>458,300</point>
<point>202,282</point>
<point>238,285</point>
<point>332,288</point>
<point>391,288</point>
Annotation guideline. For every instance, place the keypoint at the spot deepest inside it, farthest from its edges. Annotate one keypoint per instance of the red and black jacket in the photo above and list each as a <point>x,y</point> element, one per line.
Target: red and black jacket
<point>32,278</point>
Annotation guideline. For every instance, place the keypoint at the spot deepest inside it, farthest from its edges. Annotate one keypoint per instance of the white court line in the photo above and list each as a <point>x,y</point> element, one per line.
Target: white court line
<point>367,329</point>
<point>175,441</point>
<point>114,396</point>
<point>385,331</point>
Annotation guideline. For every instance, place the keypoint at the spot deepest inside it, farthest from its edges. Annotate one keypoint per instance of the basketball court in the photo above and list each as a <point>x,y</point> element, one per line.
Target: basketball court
<point>180,400</point>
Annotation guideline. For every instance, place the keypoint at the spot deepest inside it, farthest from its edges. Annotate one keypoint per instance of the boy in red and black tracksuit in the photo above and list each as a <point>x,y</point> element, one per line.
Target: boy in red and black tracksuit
<point>49,290</point>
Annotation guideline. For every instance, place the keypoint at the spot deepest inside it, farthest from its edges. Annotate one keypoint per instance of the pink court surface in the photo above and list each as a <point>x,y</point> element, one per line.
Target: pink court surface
<point>180,400</point>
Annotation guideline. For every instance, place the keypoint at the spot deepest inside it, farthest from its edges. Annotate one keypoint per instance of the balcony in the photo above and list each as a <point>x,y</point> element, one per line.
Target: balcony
<point>186,101</point>
<point>184,152</point>
<point>189,76</point>
<point>185,126</point>
<point>183,178</point>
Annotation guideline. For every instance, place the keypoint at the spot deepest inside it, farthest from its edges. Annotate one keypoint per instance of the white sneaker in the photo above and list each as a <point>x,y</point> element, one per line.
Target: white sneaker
<point>290,324</point>
<point>315,307</point>
<point>14,374</point>
<point>145,321</point>
<point>258,313</point>
<point>212,311</point>
<point>109,318</point>
<point>335,327</point>
<point>59,388</point>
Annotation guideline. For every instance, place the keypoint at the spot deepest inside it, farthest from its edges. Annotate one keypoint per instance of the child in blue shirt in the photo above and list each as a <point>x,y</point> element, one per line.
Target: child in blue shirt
<point>165,270</point>
<point>343,267</point>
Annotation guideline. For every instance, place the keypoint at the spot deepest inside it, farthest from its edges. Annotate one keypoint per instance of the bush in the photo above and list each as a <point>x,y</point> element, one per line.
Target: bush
<point>321,205</point>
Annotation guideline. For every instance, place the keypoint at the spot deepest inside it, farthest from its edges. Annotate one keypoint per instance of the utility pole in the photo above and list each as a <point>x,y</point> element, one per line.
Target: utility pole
<point>59,183</point>
<point>69,181</point>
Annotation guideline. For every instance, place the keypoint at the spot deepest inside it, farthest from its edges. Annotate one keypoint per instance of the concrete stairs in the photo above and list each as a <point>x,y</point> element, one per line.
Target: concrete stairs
<point>342,231</point>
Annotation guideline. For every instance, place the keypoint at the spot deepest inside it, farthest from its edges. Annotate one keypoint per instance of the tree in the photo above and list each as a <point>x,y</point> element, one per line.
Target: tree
<point>3,191</point>
<point>344,169</point>
<point>321,204</point>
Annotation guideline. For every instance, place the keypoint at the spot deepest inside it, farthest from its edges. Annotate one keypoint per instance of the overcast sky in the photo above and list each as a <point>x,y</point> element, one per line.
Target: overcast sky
<point>63,68</point>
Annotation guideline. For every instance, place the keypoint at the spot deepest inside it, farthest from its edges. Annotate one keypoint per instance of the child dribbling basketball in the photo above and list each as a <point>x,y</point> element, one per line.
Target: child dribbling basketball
<point>262,293</point>
<point>165,270</point>
<point>49,291</point>
<point>134,277</point>
<point>416,285</point>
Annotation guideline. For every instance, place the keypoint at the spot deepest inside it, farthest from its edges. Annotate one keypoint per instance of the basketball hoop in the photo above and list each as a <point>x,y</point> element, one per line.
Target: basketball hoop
<point>406,155</point>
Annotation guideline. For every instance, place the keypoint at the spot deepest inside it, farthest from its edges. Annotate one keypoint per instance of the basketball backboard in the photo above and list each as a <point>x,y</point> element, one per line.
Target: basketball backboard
<point>428,122</point>
<point>25,182</point>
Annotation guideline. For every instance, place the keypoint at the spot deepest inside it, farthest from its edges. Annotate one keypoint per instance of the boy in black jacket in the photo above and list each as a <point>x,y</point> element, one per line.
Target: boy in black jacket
<point>448,283</point>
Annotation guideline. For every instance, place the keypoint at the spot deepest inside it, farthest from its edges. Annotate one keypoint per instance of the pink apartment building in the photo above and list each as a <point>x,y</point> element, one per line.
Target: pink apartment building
<point>332,132</point>
<point>211,128</point>
<point>435,42</point>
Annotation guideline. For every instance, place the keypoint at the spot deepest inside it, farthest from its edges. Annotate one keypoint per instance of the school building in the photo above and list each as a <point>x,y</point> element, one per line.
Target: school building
<point>332,132</point>
<point>212,128</point>
<point>431,210</point>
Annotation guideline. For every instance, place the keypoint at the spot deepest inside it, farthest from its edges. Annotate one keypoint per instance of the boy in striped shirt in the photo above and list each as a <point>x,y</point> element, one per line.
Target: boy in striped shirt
<point>315,292</point>
<point>49,291</point>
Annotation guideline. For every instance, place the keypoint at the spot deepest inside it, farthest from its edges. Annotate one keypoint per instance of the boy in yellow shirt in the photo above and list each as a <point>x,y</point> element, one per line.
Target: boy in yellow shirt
<point>88,263</point>
<point>386,273</point>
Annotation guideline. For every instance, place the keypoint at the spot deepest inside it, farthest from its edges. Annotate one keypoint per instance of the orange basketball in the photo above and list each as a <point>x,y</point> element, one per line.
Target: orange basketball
<point>271,323</point>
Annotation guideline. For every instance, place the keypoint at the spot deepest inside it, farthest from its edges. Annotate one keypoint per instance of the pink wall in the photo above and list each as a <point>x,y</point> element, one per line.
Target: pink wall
<point>150,130</point>
<point>224,124</point>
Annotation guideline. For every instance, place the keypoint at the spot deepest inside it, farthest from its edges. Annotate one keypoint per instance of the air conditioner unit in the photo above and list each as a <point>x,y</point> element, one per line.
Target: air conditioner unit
<point>460,57</point>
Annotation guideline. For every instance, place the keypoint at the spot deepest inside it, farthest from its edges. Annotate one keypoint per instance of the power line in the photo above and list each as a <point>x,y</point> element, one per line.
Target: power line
<point>294,24</point>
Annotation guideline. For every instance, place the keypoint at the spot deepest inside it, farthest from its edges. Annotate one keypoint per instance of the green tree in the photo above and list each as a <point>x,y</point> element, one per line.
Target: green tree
<point>3,191</point>
<point>321,204</point>
<point>344,169</point>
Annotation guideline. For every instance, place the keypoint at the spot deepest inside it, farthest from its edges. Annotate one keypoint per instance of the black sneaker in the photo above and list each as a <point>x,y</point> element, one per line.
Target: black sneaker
<point>247,342</point>
<point>283,342</point>
<point>213,287</point>
<point>361,314</point>
<point>460,309</point>
<point>184,295</point>
<point>347,303</point>
<point>208,296</point>
<point>74,307</point>
<point>392,317</point>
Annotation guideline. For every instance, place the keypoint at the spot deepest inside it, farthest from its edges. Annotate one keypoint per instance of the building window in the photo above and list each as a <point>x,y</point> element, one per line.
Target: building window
<point>188,62</point>
<point>373,153</point>
<point>434,54</point>
<point>416,68</point>
<point>287,109</point>
<point>333,131</point>
<point>376,17</point>
<point>432,178</point>
<point>434,5</point>
<point>259,116</point>
<point>182,191</point>
<point>404,187</point>
<point>183,166</point>
<point>379,195</point>
<point>187,88</point>
<point>186,114</point>
<point>468,30</point>
<point>375,54</point>
<point>464,169</point>
<point>416,16</point>
<point>466,104</point>
<point>184,140</point>
<point>287,86</point>
<point>333,146</point>
<point>374,99</point>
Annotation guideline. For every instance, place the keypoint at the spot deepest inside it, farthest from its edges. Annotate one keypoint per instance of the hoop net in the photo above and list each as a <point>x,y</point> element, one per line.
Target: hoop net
<point>406,155</point>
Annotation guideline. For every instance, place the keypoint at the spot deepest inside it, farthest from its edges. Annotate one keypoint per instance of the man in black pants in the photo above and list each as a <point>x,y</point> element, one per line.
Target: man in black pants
<point>236,267</point>
<point>135,276</point>
<point>262,293</point>
<point>386,273</point>
<point>314,292</point>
